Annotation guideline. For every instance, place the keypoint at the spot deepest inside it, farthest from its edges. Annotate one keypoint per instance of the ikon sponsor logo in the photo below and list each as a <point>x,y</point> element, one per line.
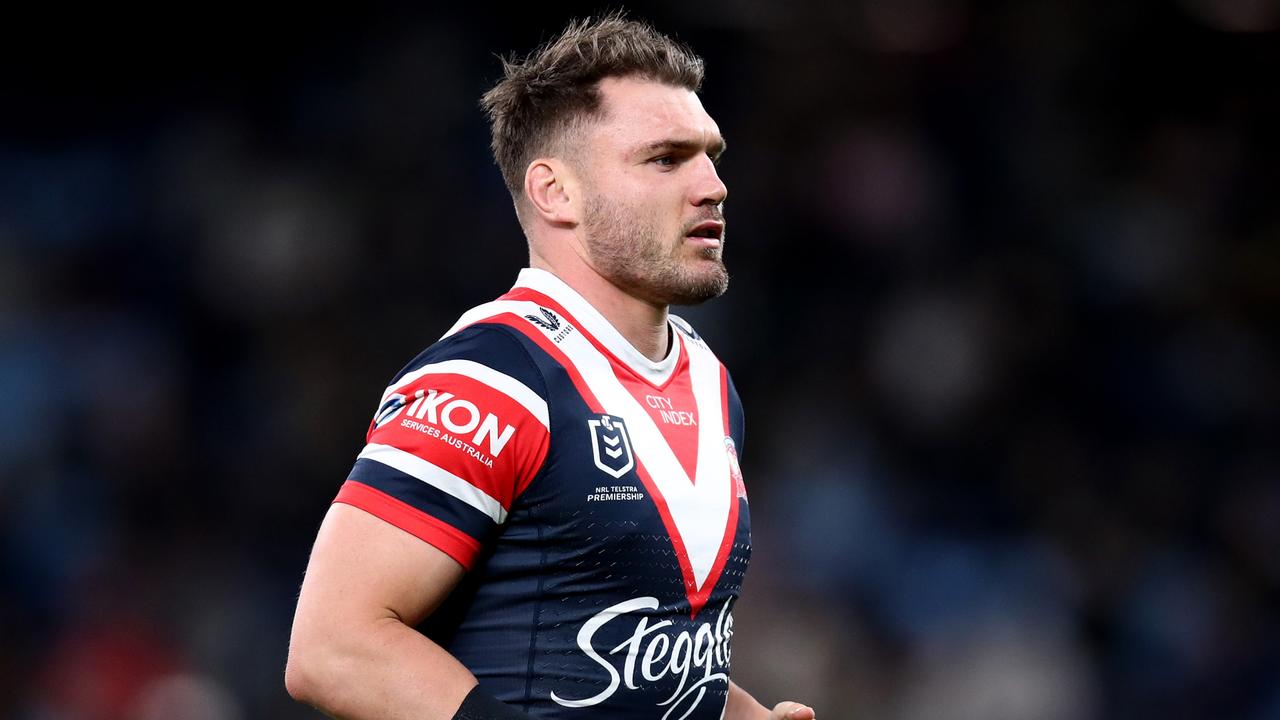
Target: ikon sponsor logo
<point>460,417</point>
<point>654,654</point>
<point>610,445</point>
<point>391,407</point>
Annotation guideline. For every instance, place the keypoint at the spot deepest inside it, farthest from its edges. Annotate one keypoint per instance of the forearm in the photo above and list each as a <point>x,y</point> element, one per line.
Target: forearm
<point>383,670</point>
<point>742,706</point>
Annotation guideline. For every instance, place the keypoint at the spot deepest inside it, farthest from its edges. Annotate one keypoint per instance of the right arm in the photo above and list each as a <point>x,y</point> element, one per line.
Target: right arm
<point>354,653</point>
<point>411,518</point>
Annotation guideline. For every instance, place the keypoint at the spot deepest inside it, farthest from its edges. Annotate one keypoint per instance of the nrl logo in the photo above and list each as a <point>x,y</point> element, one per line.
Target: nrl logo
<point>550,323</point>
<point>610,445</point>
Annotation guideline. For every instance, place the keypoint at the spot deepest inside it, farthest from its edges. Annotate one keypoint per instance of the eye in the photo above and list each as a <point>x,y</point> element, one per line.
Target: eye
<point>664,160</point>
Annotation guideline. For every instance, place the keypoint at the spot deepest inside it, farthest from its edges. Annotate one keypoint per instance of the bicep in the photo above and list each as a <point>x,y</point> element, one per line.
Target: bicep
<point>364,569</point>
<point>353,652</point>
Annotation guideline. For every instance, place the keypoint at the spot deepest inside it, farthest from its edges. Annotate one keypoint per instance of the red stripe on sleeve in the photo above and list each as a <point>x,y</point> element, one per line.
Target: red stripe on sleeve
<point>450,540</point>
<point>502,476</point>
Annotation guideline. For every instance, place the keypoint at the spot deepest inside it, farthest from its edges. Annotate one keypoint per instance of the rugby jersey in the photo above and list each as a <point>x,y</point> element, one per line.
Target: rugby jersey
<point>594,497</point>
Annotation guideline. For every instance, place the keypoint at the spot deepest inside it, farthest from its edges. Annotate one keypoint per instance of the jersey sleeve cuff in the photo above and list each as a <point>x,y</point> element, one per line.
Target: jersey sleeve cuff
<point>448,539</point>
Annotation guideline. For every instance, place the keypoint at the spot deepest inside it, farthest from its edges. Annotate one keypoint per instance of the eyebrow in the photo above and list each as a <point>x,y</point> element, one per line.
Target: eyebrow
<point>715,150</point>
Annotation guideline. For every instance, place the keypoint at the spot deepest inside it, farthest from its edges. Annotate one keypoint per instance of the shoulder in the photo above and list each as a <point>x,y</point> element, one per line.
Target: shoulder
<point>698,345</point>
<point>687,330</point>
<point>479,349</point>
<point>482,363</point>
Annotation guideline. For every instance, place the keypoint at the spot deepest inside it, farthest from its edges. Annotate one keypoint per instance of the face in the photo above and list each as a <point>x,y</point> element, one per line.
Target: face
<point>653,221</point>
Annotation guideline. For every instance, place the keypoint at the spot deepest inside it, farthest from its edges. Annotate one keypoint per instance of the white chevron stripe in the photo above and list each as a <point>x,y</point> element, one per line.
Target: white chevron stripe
<point>593,322</point>
<point>489,309</point>
<point>700,511</point>
<point>713,459</point>
<point>436,477</point>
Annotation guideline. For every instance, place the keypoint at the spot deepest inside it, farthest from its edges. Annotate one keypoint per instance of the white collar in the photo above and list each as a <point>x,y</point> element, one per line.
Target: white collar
<point>594,323</point>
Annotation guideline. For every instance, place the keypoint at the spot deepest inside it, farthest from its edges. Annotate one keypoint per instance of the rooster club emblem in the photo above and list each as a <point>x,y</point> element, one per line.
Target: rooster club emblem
<point>735,470</point>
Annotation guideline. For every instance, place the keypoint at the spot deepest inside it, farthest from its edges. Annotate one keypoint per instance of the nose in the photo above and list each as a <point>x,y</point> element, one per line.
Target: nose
<point>709,188</point>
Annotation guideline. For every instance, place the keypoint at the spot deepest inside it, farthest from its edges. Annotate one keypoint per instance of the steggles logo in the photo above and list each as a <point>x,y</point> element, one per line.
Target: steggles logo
<point>694,659</point>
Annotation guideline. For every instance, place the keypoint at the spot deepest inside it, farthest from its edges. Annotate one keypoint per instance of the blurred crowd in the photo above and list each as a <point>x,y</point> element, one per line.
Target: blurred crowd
<point>1006,282</point>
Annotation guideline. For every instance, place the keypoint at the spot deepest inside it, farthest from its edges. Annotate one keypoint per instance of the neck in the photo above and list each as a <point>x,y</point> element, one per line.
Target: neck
<point>642,323</point>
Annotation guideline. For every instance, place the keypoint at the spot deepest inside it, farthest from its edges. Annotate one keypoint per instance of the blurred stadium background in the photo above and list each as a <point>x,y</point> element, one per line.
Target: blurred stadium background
<point>1004,318</point>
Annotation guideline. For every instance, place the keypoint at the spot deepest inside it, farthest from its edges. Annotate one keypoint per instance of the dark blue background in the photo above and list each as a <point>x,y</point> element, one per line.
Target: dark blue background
<point>1003,312</point>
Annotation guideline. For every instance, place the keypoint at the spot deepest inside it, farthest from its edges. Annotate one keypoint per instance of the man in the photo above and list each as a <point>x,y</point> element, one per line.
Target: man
<point>551,491</point>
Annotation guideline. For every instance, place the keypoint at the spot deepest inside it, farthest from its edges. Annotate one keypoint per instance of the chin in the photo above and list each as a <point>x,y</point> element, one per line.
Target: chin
<point>705,288</point>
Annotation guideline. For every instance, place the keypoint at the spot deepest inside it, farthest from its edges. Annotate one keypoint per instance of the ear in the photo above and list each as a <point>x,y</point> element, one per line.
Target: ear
<point>552,191</point>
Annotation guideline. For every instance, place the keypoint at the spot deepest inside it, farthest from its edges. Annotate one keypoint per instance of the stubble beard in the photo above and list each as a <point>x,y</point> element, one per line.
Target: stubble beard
<point>626,248</point>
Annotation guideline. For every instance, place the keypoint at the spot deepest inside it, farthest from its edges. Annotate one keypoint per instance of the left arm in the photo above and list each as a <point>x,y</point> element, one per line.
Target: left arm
<point>741,706</point>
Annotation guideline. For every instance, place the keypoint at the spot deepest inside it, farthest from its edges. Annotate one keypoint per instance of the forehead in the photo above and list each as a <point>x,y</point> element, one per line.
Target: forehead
<point>639,112</point>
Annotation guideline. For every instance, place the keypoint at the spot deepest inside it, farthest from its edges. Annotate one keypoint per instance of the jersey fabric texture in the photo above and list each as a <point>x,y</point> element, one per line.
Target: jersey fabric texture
<point>593,495</point>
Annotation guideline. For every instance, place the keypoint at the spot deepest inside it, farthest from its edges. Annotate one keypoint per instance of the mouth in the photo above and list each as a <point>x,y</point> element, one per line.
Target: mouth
<point>709,233</point>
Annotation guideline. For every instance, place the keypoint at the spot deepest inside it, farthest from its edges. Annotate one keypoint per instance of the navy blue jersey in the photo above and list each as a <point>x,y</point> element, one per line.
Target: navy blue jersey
<point>594,497</point>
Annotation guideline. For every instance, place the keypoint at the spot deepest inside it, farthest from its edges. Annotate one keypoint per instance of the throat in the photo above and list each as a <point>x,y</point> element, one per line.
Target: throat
<point>647,329</point>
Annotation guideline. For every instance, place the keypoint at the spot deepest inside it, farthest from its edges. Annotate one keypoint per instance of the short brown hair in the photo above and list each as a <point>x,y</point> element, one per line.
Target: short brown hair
<point>547,93</point>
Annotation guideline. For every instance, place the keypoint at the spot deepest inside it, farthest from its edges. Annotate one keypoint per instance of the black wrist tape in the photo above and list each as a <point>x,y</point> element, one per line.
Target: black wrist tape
<point>479,706</point>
